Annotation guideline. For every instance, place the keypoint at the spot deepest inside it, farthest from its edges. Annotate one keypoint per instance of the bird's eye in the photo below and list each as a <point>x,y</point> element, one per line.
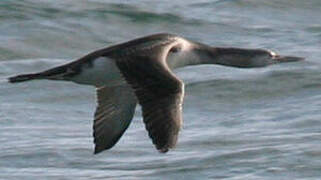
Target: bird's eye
<point>175,49</point>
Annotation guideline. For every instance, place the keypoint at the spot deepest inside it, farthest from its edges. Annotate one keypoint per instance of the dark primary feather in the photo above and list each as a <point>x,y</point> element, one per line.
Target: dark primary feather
<point>159,92</point>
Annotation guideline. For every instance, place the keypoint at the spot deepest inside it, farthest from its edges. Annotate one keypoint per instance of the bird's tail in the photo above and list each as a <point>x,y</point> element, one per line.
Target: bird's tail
<point>24,77</point>
<point>58,73</point>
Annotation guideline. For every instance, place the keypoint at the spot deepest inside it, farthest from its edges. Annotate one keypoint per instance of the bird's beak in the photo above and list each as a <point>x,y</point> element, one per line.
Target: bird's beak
<point>284,59</point>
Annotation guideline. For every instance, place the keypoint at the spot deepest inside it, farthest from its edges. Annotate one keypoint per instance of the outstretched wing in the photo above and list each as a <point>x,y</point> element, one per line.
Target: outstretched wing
<point>115,110</point>
<point>159,92</point>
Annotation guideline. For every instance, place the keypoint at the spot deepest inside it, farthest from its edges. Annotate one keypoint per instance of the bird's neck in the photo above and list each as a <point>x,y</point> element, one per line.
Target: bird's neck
<point>241,58</point>
<point>233,57</point>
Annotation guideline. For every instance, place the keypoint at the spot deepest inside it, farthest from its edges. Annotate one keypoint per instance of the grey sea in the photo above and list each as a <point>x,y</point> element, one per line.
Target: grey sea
<point>239,124</point>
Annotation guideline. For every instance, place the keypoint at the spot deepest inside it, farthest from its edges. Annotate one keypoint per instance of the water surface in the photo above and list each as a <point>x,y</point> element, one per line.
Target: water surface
<point>238,123</point>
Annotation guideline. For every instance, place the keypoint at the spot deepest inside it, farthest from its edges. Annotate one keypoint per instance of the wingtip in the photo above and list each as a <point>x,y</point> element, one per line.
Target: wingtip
<point>163,150</point>
<point>98,150</point>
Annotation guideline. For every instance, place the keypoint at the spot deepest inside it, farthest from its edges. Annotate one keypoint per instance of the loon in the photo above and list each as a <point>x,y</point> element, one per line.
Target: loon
<point>141,71</point>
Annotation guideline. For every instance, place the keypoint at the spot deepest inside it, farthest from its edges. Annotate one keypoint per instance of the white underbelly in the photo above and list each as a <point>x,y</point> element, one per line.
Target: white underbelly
<point>102,72</point>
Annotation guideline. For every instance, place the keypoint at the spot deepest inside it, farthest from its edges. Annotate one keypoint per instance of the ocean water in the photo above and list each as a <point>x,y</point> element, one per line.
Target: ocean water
<point>238,123</point>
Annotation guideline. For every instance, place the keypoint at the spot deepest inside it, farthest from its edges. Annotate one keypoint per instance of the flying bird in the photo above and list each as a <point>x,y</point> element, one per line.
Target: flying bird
<point>141,71</point>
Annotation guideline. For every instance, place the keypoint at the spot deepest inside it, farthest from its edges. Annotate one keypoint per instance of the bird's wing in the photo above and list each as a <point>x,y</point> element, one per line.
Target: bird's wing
<point>159,92</point>
<point>115,110</point>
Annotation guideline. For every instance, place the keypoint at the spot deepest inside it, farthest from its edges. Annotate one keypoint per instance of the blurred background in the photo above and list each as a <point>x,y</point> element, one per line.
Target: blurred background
<point>238,123</point>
